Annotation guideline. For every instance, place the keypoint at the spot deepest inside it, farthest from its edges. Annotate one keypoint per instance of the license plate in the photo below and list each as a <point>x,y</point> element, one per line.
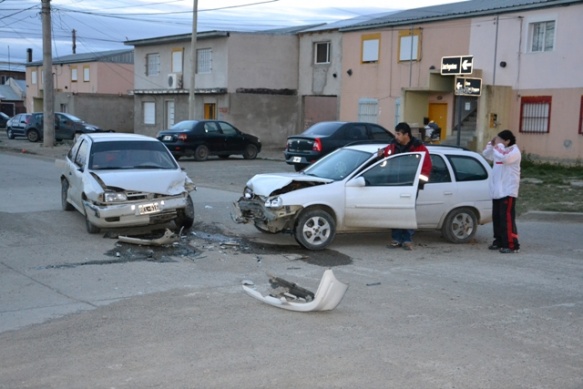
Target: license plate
<point>148,208</point>
<point>297,159</point>
<point>167,137</point>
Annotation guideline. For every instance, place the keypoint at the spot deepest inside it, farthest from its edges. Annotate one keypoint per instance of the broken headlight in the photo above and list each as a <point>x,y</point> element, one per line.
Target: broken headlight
<point>273,202</point>
<point>248,193</point>
<point>113,197</point>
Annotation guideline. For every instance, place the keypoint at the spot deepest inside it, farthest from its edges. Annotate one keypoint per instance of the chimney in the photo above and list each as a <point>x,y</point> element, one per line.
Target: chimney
<point>29,55</point>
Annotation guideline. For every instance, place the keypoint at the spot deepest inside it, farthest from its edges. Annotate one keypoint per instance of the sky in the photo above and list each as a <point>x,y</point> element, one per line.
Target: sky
<point>106,24</point>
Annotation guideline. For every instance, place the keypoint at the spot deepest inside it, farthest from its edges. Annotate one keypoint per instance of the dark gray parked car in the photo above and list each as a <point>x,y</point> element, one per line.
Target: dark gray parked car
<point>66,126</point>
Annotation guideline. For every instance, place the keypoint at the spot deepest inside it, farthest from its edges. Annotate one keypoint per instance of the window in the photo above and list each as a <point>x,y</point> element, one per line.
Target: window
<point>34,77</point>
<point>400,170</point>
<point>467,168</point>
<point>227,129</point>
<point>204,59</point>
<point>149,112</point>
<point>542,36</point>
<point>86,73</point>
<point>409,45</point>
<point>370,47</point>
<point>322,52</point>
<point>439,170</point>
<point>368,110</point>
<point>74,76</point>
<point>535,114</point>
<point>177,60</point>
<point>152,64</point>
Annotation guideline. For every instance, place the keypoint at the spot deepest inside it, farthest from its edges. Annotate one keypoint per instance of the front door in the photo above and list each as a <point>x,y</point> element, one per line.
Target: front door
<point>438,113</point>
<point>387,199</point>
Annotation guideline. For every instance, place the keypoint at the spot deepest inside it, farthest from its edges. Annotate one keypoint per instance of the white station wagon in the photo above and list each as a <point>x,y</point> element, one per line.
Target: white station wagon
<point>125,180</point>
<point>352,190</point>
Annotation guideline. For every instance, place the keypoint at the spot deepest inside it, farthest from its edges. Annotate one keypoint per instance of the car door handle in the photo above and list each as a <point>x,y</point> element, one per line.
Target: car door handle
<point>406,195</point>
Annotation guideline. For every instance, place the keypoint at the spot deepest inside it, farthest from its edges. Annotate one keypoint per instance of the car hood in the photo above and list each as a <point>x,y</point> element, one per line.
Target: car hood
<point>168,182</point>
<point>265,184</point>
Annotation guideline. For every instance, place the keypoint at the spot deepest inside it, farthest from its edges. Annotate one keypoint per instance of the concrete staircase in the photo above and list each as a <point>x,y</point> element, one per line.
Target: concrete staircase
<point>467,137</point>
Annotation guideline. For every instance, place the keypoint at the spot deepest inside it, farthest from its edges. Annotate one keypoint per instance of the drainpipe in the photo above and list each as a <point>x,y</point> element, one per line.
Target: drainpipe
<point>495,50</point>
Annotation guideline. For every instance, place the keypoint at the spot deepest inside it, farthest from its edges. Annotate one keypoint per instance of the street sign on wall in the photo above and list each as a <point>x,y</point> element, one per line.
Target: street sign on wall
<point>455,65</point>
<point>465,86</point>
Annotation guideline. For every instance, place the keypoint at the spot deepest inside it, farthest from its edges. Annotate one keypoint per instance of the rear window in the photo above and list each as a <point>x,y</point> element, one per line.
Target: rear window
<point>467,168</point>
<point>324,128</point>
<point>185,125</point>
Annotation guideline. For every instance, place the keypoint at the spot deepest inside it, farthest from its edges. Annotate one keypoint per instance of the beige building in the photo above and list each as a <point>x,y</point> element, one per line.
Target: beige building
<point>522,51</point>
<point>93,86</point>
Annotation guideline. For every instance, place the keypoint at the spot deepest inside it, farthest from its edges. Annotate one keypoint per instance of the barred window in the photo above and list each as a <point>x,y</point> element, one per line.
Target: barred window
<point>152,64</point>
<point>368,110</point>
<point>542,36</point>
<point>535,114</point>
<point>204,60</point>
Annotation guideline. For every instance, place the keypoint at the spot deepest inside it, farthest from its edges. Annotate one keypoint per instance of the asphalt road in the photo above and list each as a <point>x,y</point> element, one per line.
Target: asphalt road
<point>80,310</point>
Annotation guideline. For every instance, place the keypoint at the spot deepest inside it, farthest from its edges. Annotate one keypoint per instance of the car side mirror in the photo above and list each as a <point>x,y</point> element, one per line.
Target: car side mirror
<point>358,182</point>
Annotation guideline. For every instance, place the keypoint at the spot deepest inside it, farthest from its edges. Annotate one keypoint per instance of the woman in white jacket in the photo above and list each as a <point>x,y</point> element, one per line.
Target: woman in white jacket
<point>505,155</point>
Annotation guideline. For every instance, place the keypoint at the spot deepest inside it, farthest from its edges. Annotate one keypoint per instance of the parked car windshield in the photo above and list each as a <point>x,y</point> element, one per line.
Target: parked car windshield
<point>130,155</point>
<point>71,117</point>
<point>339,164</point>
<point>185,125</point>
<point>324,128</point>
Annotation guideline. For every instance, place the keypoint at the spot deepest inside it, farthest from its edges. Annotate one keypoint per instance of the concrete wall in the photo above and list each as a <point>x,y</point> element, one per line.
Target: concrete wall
<point>110,112</point>
<point>320,79</point>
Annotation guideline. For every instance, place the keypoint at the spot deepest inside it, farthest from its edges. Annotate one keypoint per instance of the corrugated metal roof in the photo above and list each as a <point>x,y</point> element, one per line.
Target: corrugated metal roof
<point>456,10</point>
<point>7,93</point>
<point>347,22</point>
<point>115,56</point>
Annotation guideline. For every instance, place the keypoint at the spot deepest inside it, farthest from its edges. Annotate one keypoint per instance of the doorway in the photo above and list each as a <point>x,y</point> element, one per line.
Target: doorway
<point>438,113</point>
<point>210,111</point>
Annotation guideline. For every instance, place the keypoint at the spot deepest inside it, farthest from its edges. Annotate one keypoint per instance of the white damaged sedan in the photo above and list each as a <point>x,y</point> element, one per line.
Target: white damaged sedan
<point>125,180</point>
<point>352,190</point>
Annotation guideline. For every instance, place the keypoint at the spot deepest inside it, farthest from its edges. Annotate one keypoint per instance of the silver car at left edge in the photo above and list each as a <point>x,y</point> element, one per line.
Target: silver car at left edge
<point>125,180</point>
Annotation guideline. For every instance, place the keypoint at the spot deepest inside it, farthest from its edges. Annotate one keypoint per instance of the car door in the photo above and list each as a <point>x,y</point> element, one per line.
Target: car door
<point>64,128</point>
<point>213,137</point>
<point>384,195</point>
<point>437,195</point>
<point>234,141</point>
<point>76,164</point>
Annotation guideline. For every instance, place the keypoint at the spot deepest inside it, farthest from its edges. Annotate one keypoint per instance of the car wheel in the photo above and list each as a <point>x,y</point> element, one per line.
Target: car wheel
<point>250,152</point>
<point>185,217</point>
<point>64,189</point>
<point>9,133</point>
<point>460,225</point>
<point>33,135</point>
<point>176,156</point>
<point>91,228</point>
<point>315,229</point>
<point>298,167</point>
<point>201,153</point>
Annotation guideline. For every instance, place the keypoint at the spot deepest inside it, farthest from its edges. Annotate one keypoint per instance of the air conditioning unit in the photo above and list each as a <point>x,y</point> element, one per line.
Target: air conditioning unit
<point>175,80</point>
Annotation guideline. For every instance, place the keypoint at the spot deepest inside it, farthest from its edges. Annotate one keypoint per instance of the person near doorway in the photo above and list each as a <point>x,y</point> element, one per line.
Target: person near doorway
<point>405,142</point>
<point>504,183</point>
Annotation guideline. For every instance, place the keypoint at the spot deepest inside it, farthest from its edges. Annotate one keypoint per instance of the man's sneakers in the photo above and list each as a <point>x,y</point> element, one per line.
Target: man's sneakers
<point>494,246</point>
<point>506,250</point>
<point>407,246</point>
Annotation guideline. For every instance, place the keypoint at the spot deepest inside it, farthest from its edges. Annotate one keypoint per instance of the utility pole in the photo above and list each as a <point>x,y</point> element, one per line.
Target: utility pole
<point>74,41</point>
<point>191,94</point>
<point>48,92</point>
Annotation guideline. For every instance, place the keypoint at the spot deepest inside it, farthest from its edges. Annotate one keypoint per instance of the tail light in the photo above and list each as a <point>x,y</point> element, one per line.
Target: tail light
<point>182,137</point>
<point>317,145</point>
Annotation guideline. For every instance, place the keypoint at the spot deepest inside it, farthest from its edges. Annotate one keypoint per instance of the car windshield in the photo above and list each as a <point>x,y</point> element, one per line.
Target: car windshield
<point>324,128</point>
<point>185,125</point>
<point>130,155</point>
<point>71,117</point>
<point>339,164</point>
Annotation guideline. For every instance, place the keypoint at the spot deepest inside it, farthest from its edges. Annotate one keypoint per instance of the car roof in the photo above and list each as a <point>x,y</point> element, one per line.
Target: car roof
<point>434,149</point>
<point>118,136</point>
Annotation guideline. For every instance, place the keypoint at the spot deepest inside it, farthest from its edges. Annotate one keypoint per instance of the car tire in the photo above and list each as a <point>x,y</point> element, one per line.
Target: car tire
<point>315,229</point>
<point>64,189</point>
<point>91,228</point>
<point>250,152</point>
<point>9,133</point>
<point>201,153</point>
<point>185,218</point>
<point>33,135</point>
<point>460,225</point>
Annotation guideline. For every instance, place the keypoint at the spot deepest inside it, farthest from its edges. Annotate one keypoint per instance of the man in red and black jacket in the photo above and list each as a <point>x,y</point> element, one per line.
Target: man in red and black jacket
<point>405,142</point>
